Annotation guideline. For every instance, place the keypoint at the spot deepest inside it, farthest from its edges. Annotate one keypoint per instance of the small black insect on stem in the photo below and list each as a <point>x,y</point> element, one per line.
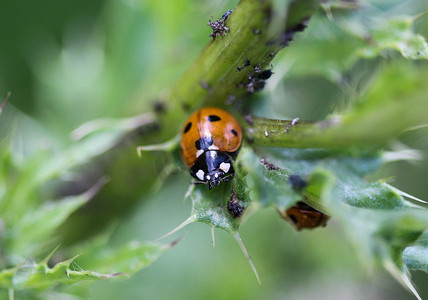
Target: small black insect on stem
<point>159,106</point>
<point>234,205</point>
<point>256,80</point>
<point>218,26</point>
<point>247,63</point>
<point>288,35</point>
<point>268,165</point>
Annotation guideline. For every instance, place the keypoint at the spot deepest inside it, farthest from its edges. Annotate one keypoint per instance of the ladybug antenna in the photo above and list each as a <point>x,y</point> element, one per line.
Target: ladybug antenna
<point>225,178</point>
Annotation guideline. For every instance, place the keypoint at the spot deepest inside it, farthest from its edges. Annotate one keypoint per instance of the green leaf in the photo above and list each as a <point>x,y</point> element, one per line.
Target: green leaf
<point>35,228</point>
<point>210,207</point>
<point>41,276</point>
<point>127,259</point>
<point>416,258</point>
<point>396,33</point>
<point>266,185</point>
<point>380,235</point>
<point>7,275</point>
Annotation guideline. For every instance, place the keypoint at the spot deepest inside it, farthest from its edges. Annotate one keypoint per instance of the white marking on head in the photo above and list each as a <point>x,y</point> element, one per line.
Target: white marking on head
<point>199,152</point>
<point>208,177</point>
<point>216,175</point>
<point>225,167</point>
<point>213,147</point>
<point>200,174</point>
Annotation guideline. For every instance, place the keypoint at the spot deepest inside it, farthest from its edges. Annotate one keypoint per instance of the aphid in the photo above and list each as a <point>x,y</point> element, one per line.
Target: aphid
<point>205,85</point>
<point>159,106</point>
<point>288,35</point>
<point>210,139</point>
<point>249,119</point>
<point>265,75</point>
<point>246,64</point>
<point>226,15</point>
<point>268,165</point>
<point>234,205</point>
<point>254,84</point>
<point>257,80</point>
<point>218,26</point>
<point>303,216</point>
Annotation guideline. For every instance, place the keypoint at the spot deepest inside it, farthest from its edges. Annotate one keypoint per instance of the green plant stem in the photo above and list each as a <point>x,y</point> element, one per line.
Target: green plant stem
<point>256,32</point>
<point>254,35</point>
<point>282,133</point>
<point>363,128</point>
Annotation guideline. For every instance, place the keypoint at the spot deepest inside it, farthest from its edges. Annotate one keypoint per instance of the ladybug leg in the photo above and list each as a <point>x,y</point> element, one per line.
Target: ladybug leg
<point>226,178</point>
<point>200,182</point>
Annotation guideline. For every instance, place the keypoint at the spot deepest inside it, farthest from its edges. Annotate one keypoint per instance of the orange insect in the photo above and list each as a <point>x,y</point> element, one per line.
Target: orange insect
<point>210,139</point>
<point>303,216</point>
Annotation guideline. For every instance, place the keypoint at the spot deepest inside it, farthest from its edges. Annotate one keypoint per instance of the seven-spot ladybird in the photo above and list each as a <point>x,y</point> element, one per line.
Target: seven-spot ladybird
<point>210,139</point>
<point>304,216</point>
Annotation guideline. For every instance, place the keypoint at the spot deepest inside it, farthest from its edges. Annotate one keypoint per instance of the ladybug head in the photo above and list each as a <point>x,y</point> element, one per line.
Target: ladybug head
<point>212,167</point>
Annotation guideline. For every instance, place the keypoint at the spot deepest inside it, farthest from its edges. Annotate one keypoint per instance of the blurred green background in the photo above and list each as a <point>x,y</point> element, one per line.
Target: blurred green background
<point>73,61</point>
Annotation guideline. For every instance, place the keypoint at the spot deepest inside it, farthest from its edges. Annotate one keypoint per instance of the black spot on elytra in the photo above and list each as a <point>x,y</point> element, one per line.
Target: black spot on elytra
<point>188,126</point>
<point>213,118</point>
<point>293,218</point>
<point>234,132</point>
<point>204,143</point>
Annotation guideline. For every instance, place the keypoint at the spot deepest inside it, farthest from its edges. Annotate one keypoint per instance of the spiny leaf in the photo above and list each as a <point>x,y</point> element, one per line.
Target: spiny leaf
<point>41,276</point>
<point>210,207</point>
<point>127,259</point>
<point>35,228</point>
<point>333,48</point>
<point>416,257</point>
<point>266,183</point>
<point>379,235</point>
<point>7,275</point>
<point>396,33</point>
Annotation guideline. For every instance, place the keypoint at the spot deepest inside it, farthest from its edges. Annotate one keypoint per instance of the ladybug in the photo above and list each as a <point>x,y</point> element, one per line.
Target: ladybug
<point>210,140</point>
<point>303,216</point>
